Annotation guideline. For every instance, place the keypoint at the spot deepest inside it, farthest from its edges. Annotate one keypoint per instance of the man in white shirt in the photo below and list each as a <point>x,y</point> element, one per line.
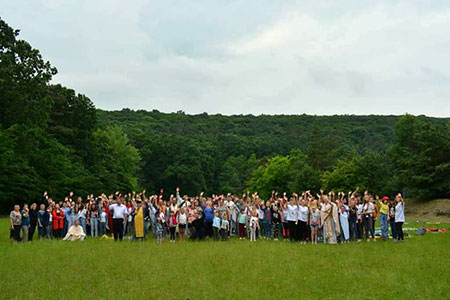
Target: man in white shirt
<point>120,213</point>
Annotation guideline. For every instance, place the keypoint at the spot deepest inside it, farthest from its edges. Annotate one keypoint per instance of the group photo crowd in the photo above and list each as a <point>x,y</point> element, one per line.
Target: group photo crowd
<point>305,218</point>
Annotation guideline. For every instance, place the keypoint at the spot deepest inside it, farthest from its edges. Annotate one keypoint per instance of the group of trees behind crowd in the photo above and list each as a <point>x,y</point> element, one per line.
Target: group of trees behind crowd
<point>52,138</point>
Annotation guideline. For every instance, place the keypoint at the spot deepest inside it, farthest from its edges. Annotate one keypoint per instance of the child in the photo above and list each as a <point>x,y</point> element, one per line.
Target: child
<point>216,225</point>
<point>314,223</point>
<point>182,219</point>
<point>224,227</point>
<point>242,220</point>
<point>254,225</point>
<point>172,226</point>
<point>276,222</point>
<point>159,231</point>
<point>103,218</point>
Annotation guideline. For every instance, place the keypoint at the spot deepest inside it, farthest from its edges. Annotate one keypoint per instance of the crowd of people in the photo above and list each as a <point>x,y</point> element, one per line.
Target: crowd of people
<point>306,218</point>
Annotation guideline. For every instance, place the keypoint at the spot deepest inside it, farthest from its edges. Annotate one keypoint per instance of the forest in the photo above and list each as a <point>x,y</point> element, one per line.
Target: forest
<point>55,139</point>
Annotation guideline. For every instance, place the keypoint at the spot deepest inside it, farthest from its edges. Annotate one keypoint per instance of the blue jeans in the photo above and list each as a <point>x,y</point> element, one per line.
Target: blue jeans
<point>268,230</point>
<point>393,231</point>
<point>94,227</point>
<point>102,228</point>
<point>384,226</point>
<point>83,224</point>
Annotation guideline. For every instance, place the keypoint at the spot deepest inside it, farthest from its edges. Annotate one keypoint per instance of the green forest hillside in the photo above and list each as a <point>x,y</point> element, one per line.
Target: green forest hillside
<point>55,139</point>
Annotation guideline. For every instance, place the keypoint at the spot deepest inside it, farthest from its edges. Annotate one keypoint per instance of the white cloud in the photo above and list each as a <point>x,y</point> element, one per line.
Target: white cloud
<point>228,57</point>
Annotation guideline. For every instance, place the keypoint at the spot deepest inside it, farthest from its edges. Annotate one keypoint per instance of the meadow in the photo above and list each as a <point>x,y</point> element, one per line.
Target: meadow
<point>417,268</point>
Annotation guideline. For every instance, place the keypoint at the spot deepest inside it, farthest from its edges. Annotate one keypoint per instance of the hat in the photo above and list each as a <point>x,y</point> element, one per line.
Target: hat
<point>385,198</point>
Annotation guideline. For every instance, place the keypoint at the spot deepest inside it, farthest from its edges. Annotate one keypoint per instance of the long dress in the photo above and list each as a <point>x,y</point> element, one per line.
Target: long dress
<point>344,225</point>
<point>330,223</point>
<point>139,223</point>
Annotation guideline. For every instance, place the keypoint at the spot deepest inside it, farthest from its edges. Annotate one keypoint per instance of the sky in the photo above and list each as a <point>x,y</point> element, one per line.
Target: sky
<point>248,56</point>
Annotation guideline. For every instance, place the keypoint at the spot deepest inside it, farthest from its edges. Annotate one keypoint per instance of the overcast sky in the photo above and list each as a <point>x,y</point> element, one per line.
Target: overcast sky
<point>247,56</point>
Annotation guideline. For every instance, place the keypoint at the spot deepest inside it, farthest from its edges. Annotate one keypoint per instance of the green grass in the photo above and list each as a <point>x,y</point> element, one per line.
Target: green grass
<point>418,268</point>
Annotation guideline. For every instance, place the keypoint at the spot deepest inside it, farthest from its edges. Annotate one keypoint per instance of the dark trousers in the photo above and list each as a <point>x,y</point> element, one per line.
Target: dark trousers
<point>57,232</point>
<point>198,230</point>
<point>224,234</point>
<point>399,230</point>
<point>65,229</point>
<point>241,230</point>
<point>216,233</point>
<point>368,225</point>
<point>285,230</point>
<point>172,233</point>
<point>276,230</point>
<point>359,230</point>
<point>208,229</point>
<point>353,228</point>
<point>292,230</point>
<point>393,231</point>
<point>303,231</point>
<point>16,232</point>
<point>118,229</point>
<point>31,231</point>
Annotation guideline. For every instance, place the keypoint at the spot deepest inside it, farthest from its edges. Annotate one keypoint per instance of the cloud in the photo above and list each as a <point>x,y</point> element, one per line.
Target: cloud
<point>232,57</point>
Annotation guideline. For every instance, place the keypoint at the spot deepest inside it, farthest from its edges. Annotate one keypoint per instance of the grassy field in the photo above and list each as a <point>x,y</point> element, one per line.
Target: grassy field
<point>418,268</point>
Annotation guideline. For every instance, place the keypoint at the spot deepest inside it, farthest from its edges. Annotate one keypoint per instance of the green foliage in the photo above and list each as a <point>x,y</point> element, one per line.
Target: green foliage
<point>116,161</point>
<point>371,171</point>
<point>421,156</point>
<point>54,139</point>
<point>49,136</point>
<point>23,81</point>
<point>236,172</point>
<point>285,173</point>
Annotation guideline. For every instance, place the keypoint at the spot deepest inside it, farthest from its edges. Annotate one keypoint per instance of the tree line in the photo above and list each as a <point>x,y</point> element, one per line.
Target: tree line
<point>52,138</point>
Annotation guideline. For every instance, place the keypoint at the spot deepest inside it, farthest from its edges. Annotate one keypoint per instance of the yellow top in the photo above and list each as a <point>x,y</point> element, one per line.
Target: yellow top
<point>384,208</point>
<point>139,223</point>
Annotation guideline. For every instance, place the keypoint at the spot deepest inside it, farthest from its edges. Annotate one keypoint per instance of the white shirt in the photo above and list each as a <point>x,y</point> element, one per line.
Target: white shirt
<point>119,211</point>
<point>182,218</point>
<point>303,213</point>
<point>292,211</point>
<point>368,208</point>
<point>260,213</point>
<point>359,211</point>
<point>103,217</point>
<point>399,212</point>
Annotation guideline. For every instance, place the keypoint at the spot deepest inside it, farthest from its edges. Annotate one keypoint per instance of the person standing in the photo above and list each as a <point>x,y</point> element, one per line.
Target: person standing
<point>33,221</point>
<point>25,222</point>
<point>391,219</point>
<point>93,219</point>
<point>292,219</point>
<point>43,220</point>
<point>58,222</point>
<point>120,214</point>
<point>368,218</point>
<point>329,220</point>
<point>399,216</point>
<point>384,212</point>
<point>15,218</point>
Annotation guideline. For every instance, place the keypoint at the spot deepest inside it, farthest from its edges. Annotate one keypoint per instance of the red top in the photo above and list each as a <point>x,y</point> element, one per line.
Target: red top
<point>58,220</point>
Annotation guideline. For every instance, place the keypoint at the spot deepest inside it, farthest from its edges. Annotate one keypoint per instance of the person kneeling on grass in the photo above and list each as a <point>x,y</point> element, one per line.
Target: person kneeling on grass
<point>75,232</point>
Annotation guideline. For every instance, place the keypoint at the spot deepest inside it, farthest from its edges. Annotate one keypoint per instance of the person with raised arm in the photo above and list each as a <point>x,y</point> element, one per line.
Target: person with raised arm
<point>25,222</point>
<point>399,216</point>
<point>292,218</point>
<point>329,220</point>
<point>384,215</point>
